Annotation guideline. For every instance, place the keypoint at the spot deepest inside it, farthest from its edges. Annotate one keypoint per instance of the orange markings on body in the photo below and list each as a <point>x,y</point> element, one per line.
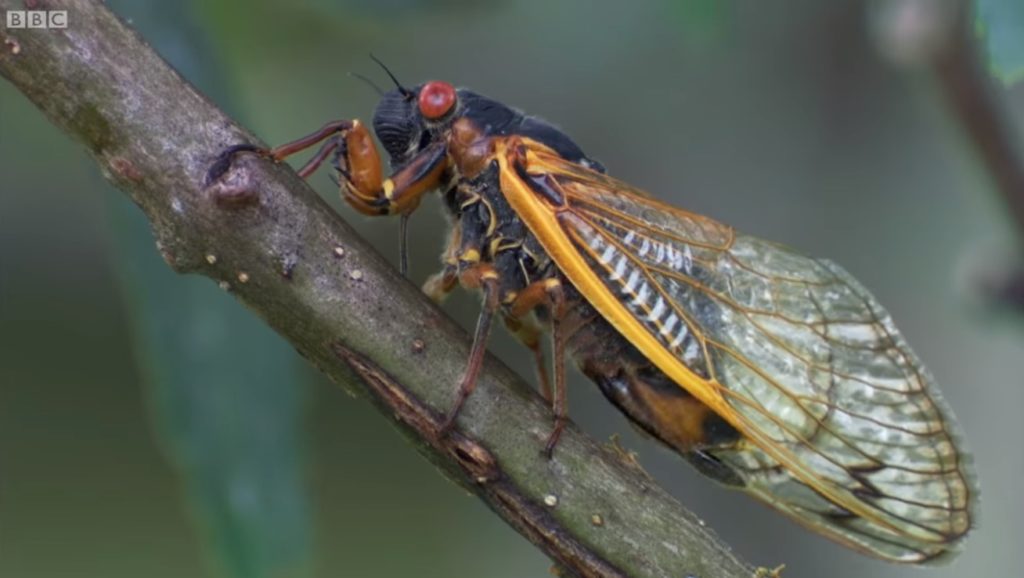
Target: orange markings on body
<point>469,148</point>
<point>679,419</point>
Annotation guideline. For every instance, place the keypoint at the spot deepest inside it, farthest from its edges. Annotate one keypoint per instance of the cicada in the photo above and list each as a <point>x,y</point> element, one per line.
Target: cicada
<point>768,370</point>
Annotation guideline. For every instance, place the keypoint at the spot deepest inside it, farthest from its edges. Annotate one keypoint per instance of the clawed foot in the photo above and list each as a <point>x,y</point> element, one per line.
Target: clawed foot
<point>226,157</point>
<point>556,433</point>
<point>448,423</point>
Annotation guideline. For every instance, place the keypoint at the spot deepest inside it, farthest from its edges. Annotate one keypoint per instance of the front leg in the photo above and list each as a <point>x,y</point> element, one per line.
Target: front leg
<point>359,163</point>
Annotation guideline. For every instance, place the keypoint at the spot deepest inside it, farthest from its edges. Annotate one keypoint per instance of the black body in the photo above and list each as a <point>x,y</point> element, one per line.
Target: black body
<point>489,226</point>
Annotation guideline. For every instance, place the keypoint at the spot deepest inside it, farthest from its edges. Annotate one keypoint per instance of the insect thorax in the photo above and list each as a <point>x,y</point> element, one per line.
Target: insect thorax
<point>486,226</point>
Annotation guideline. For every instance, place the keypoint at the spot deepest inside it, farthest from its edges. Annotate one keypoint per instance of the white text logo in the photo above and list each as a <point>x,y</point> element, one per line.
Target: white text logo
<point>37,18</point>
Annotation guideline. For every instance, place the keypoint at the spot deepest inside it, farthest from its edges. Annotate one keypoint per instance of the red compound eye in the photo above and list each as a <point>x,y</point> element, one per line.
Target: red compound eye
<point>436,99</point>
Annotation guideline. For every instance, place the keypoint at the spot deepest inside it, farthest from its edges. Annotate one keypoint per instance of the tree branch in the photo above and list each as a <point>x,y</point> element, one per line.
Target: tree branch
<point>968,89</point>
<point>967,86</point>
<point>970,92</point>
<point>266,237</point>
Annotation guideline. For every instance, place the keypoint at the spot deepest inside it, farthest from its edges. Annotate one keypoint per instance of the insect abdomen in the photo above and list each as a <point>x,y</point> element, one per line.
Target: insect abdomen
<point>654,402</point>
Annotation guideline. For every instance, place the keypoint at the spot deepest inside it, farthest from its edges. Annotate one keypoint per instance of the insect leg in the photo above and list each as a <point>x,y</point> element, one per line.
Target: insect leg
<point>561,410</point>
<point>466,253</point>
<point>328,130</point>
<point>440,284</point>
<point>321,155</point>
<point>480,275</point>
<point>359,164</point>
<point>548,292</point>
<point>403,243</point>
<point>366,190</point>
<point>278,153</point>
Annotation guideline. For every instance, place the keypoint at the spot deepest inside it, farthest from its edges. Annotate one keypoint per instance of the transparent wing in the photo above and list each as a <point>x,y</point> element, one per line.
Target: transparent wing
<point>847,432</point>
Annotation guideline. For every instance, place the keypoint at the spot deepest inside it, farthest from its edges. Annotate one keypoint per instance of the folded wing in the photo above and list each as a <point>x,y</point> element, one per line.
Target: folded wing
<point>847,431</point>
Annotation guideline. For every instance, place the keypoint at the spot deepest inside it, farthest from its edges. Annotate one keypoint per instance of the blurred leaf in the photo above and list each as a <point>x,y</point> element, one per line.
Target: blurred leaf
<point>1001,25</point>
<point>226,396</point>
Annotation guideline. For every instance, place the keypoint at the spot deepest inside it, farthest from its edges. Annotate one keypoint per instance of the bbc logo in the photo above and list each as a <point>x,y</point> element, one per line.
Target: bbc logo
<point>37,18</point>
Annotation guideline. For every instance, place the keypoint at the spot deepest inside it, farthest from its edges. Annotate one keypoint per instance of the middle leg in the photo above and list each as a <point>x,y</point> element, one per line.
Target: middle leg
<point>548,293</point>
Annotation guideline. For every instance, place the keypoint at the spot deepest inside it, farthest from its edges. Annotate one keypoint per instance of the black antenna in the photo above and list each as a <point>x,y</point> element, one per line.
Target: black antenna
<point>405,91</point>
<point>372,84</point>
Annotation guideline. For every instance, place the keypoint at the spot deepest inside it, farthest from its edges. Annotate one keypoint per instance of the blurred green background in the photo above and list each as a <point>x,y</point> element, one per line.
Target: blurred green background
<point>149,427</point>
